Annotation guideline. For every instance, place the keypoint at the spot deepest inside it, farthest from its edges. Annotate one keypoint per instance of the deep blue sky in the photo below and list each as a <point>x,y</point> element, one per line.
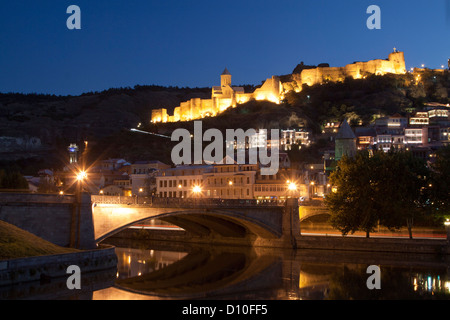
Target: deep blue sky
<point>189,42</point>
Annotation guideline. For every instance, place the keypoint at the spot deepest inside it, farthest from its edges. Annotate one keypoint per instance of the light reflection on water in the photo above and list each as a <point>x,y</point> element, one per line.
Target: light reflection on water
<point>164,271</point>
<point>245,273</point>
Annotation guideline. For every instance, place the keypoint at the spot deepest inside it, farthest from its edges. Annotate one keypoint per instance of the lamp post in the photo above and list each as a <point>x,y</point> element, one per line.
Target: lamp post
<point>197,190</point>
<point>80,178</point>
<point>292,188</point>
<point>312,183</point>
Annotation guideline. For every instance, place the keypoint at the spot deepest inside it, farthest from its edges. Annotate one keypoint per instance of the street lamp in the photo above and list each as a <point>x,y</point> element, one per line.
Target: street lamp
<point>81,175</point>
<point>197,190</point>
<point>312,183</point>
<point>80,178</point>
<point>292,186</point>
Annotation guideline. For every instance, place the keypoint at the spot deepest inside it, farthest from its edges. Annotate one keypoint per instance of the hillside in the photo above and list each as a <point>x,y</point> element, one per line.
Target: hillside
<point>104,118</point>
<point>18,243</point>
<point>34,127</point>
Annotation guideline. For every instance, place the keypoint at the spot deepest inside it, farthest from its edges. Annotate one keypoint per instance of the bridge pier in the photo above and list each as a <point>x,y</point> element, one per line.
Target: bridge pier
<point>290,223</point>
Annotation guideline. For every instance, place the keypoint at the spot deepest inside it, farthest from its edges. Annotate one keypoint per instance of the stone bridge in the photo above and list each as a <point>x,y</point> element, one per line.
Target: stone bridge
<point>227,221</point>
<point>84,220</point>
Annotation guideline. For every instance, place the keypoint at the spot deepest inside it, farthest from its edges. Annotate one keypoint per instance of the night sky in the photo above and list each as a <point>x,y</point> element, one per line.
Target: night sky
<point>189,43</point>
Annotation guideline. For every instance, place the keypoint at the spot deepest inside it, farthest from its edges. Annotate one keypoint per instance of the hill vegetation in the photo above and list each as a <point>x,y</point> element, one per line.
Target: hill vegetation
<point>18,243</point>
<point>104,118</point>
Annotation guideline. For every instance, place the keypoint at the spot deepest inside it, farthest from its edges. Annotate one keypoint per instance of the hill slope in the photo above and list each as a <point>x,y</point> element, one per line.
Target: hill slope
<point>18,243</point>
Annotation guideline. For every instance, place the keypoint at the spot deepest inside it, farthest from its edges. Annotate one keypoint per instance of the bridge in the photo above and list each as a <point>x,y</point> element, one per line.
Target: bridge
<point>83,220</point>
<point>228,221</point>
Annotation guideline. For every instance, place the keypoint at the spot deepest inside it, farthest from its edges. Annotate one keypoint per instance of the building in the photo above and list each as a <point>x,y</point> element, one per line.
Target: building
<point>357,70</point>
<point>222,98</point>
<point>240,181</point>
<point>226,96</point>
<point>143,176</point>
<point>395,121</point>
<point>185,181</point>
<point>290,138</point>
<point>345,142</point>
<point>230,181</point>
<point>420,119</point>
<point>366,137</point>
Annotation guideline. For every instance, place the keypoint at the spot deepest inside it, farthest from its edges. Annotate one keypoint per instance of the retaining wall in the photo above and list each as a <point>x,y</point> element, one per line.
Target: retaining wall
<point>54,266</point>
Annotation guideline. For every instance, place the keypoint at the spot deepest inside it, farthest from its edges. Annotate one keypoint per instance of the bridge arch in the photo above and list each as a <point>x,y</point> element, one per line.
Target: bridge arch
<point>229,223</point>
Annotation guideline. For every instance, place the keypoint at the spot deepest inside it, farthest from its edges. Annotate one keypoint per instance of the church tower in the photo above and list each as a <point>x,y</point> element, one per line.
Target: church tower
<point>345,142</point>
<point>225,78</point>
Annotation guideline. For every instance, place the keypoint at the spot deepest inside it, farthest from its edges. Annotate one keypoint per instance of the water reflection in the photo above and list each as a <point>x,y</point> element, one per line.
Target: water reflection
<point>200,272</point>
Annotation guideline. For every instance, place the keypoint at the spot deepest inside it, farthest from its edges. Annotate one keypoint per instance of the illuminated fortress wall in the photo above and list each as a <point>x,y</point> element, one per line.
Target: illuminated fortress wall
<point>394,64</point>
<point>226,96</point>
<point>222,98</point>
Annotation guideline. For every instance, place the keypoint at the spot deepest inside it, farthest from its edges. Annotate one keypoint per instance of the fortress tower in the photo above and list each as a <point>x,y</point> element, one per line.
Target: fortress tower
<point>398,61</point>
<point>225,78</point>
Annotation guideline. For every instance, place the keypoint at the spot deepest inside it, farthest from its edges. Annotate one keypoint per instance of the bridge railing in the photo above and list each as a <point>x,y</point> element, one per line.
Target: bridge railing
<point>184,202</point>
<point>213,202</point>
<point>120,199</point>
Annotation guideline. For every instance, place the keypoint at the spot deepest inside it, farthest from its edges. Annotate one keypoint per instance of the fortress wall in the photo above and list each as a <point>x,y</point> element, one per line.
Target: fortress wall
<point>271,90</point>
<point>243,97</point>
<point>159,115</point>
<point>223,104</point>
<point>207,107</point>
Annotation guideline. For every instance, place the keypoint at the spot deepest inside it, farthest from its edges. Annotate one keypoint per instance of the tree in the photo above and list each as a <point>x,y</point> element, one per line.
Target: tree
<point>12,179</point>
<point>383,188</point>
<point>352,204</point>
<point>402,179</point>
<point>439,184</point>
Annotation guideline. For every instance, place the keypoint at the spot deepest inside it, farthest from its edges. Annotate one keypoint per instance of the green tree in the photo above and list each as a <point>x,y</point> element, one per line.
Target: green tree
<point>352,205</point>
<point>383,188</point>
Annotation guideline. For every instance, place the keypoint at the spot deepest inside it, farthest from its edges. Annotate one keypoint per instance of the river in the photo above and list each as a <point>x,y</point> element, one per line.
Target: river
<point>150,270</point>
<point>161,271</point>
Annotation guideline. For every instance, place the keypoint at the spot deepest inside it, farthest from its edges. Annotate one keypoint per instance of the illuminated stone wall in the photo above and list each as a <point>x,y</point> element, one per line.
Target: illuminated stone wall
<point>226,96</point>
<point>394,64</point>
<point>222,98</point>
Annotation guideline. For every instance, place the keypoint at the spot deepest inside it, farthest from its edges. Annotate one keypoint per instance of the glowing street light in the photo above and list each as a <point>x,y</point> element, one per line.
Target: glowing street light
<point>197,190</point>
<point>292,186</point>
<point>81,175</point>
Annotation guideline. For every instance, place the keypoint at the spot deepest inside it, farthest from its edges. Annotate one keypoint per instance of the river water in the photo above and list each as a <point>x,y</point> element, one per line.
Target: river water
<point>161,271</point>
<point>149,270</point>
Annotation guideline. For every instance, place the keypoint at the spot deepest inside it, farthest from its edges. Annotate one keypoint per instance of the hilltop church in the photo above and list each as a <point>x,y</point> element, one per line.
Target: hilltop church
<point>222,97</point>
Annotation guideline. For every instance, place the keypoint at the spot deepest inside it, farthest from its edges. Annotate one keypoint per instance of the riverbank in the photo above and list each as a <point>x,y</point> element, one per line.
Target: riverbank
<point>17,243</point>
<point>25,257</point>
<point>315,242</point>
